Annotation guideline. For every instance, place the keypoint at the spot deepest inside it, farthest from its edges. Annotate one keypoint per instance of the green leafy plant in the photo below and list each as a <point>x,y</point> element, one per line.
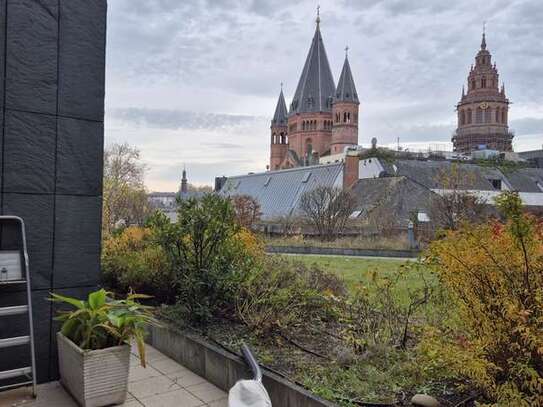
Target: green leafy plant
<point>101,321</point>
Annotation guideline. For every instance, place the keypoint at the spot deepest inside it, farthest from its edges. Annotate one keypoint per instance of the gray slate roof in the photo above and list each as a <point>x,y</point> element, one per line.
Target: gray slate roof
<point>316,88</point>
<point>281,114</point>
<point>346,91</point>
<point>428,173</point>
<point>400,197</point>
<point>279,192</point>
<point>526,179</point>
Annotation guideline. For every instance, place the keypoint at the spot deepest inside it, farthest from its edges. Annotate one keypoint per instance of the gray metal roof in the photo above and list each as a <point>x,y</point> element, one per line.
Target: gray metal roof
<point>279,192</point>
<point>346,91</point>
<point>281,114</point>
<point>526,179</point>
<point>316,88</point>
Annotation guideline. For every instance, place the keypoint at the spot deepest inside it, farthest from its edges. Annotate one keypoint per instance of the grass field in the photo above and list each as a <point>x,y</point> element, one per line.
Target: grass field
<point>361,270</point>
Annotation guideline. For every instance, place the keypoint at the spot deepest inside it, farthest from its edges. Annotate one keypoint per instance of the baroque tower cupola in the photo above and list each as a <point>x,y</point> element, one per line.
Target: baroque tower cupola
<point>345,111</point>
<point>483,110</point>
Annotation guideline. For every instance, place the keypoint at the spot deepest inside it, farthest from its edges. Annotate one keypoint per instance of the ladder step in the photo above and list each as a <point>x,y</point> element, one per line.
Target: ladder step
<point>16,310</point>
<point>4,282</point>
<point>15,341</point>
<point>9,374</point>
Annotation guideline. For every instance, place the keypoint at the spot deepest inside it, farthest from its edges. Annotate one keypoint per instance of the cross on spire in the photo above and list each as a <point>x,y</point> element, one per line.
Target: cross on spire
<point>318,14</point>
<point>346,50</point>
<point>483,42</point>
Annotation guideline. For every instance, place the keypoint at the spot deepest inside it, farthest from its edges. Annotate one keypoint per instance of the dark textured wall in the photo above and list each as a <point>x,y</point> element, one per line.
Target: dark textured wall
<point>52,59</point>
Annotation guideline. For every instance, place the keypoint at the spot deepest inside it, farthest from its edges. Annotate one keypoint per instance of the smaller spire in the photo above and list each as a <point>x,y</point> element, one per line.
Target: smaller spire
<point>483,42</point>
<point>346,90</point>
<point>184,182</point>
<point>280,116</point>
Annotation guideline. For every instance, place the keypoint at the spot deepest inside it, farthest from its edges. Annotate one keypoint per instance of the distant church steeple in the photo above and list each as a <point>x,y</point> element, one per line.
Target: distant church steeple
<point>483,110</point>
<point>345,111</point>
<point>184,182</point>
<point>279,131</point>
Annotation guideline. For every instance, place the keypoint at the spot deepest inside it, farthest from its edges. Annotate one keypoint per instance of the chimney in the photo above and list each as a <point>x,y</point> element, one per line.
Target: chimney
<point>350,168</point>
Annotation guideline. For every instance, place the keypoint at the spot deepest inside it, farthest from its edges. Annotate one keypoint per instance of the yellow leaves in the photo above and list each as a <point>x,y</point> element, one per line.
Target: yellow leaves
<point>494,273</point>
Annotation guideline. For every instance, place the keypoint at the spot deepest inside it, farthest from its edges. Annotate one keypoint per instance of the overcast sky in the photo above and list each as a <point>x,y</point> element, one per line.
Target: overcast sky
<point>195,83</point>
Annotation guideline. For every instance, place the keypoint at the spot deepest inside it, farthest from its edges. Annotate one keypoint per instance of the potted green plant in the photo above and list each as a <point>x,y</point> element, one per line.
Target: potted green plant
<point>94,345</point>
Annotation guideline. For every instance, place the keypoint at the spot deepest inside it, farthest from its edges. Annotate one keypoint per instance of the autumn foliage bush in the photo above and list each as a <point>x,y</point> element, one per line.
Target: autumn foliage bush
<point>131,260</point>
<point>494,273</point>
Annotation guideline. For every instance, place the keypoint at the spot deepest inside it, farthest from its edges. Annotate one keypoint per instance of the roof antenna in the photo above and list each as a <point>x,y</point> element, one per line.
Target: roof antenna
<point>318,15</point>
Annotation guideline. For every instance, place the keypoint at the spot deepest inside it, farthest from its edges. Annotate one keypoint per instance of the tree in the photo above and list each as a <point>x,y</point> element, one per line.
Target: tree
<point>124,196</point>
<point>327,209</point>
<point>209,252</point>
<point>247,210</point>
<point>455,204</point>
<point>494,272</point>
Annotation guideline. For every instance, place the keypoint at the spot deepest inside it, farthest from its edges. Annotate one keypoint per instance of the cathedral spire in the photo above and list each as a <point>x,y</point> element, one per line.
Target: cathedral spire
<point>346,91</point>
<point>483,41</point>
<point>316,86</point>
<point>280,115</point>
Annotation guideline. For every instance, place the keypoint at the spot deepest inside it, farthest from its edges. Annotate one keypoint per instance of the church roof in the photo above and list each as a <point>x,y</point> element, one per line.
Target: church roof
<point>346,91</point>
<point>316,87</point>
<point>281,113</point>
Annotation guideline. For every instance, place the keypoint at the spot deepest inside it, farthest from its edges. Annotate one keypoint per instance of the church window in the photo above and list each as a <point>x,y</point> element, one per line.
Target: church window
<point>488,115</point>
<point>473,84</point>
<point>348,117</point>
<point>462,117</point>
<point>504,116</point>
<point>468,119</point>
<point>337,117</point>
<point>483,82</point>
<point>479,116</point>
<point>497,115</point>
<point>273,138</point>
<point>344,117</point>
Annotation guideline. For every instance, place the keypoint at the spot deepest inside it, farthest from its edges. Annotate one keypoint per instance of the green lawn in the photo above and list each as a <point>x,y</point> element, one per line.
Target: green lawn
<point>360,270</point>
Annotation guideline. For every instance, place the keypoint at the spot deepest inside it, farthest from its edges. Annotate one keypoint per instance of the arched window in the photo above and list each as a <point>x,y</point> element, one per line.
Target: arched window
<point>273,138</point>
<point>344,117</point>
<point>497,115</point>
<point>462,117</point>
<point>308,146</point>
<point>337,117</point>
<point>504,116</point>
<point>468,118</point>
<point>473,84</point>
<point>483,82</point>
<point>479,116</point>
<point>488,115</point>
<point>348,117</point>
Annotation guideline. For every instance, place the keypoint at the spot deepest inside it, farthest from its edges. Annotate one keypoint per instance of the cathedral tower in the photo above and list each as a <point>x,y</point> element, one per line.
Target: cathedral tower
<point>310,115</point>
<point>482,111</point>
<point>279,138</point>
<point>345,111</point>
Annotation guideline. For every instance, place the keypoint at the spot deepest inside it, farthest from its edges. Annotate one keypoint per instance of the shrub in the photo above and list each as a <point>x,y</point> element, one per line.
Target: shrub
<point>210,255</point>
<point>131,260</point>
<point>283,295</point>
<point>495,274</point>
<point>102,322</point>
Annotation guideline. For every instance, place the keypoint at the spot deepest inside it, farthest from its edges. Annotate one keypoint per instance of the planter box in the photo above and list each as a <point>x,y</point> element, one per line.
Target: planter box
<point>94,378</point>
<point>224,369</point>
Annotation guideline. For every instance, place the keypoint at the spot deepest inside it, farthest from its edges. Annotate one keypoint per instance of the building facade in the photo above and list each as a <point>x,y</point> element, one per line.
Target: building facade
<point>483,110</point>
<point>321,120</point>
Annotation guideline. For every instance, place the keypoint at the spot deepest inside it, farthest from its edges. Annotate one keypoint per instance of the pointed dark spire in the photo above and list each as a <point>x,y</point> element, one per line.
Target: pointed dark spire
<point>483,41</point>
<point>316,86</point>
<point>346,91</point>
<point>184,182</point>
<point>280,116</point>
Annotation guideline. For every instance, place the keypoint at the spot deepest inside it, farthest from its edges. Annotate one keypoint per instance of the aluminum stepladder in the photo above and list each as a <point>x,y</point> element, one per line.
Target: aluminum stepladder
<point>27,372</point>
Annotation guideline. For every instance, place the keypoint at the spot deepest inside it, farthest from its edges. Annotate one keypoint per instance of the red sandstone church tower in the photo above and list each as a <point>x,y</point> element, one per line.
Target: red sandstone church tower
<point>345,111</point>
<point>309,131</point>
<point>482,112</point>
<point>279,129</point>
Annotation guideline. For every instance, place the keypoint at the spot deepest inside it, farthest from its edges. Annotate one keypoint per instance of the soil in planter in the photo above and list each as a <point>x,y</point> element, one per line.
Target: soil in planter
<point>320,361</point>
